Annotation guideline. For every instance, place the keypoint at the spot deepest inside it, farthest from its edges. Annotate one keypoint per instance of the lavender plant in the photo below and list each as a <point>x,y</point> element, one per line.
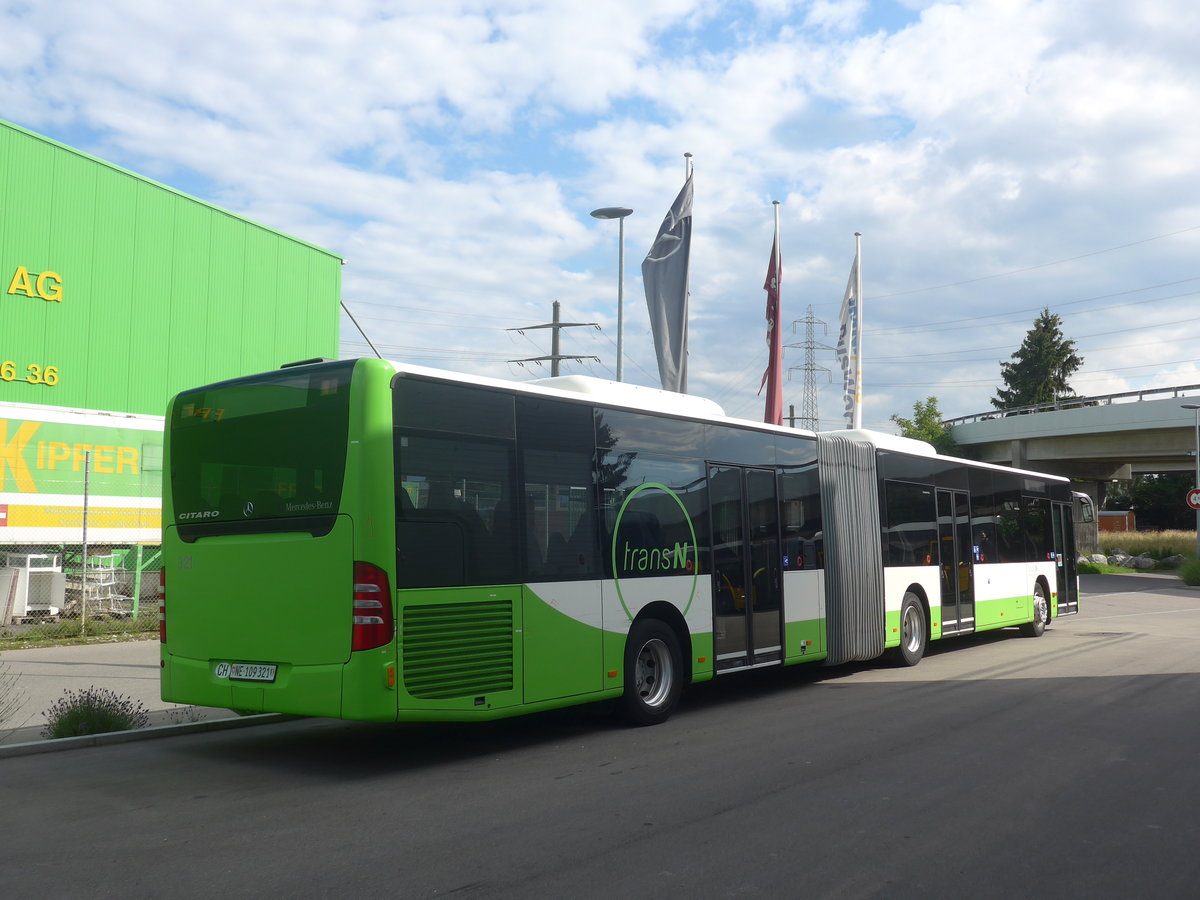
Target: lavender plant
<point>93,711</point>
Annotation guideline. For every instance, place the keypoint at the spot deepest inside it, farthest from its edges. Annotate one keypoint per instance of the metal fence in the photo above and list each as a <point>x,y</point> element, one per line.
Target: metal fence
<point>53,592</point>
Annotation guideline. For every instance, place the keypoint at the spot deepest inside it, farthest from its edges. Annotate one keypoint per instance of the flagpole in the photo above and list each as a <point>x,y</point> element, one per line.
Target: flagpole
<point>687,293</point>
<point>858,313</point>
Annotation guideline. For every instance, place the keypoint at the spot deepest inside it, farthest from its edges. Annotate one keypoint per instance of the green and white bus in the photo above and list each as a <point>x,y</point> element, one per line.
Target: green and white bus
<point>376,541</point>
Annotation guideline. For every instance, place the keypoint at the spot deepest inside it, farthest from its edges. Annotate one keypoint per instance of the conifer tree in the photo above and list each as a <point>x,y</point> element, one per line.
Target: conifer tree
<point>1040,367</point>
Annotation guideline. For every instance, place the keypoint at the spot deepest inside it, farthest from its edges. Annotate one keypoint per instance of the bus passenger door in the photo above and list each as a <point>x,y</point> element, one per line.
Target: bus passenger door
<point>956,561</point>
<point>1064,559</point>
<point>747,607</point>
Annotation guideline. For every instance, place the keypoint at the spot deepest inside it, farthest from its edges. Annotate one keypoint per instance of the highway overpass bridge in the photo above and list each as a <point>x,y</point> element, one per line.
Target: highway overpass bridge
<point>1093,439</point>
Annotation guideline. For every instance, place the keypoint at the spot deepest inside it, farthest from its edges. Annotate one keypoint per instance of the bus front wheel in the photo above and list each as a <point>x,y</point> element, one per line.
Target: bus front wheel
<point>912,632</point>
<point>1041,613</point>
<point>653,673</point>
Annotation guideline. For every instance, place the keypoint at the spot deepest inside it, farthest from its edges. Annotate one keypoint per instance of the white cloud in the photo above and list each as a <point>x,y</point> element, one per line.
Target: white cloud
<point>451,150</point>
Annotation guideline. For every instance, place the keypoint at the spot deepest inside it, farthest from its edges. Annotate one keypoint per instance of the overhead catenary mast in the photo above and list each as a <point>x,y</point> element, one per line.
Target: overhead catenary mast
<point>555,357</point>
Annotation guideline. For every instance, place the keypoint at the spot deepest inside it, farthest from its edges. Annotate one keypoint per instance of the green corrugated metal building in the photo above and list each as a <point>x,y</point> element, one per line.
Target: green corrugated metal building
<point>116,291</point>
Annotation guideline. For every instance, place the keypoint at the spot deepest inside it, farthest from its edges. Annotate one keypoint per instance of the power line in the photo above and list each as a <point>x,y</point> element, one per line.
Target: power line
<point>440,312</point>
<point>1057,262</point>
<point>441,352</point>
<point>1013,317</point>
<point>409,323</point>
<point>912,358</point>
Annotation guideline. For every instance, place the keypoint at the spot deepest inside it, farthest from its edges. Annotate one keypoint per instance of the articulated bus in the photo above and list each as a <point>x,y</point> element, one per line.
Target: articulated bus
<point>369,540</point>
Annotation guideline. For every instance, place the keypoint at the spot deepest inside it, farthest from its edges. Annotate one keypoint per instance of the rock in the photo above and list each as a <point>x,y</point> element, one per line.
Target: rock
<point>1098,558</point>
<point>1173,562</point>
<point>1143,562</point>
<point>1120,559</point>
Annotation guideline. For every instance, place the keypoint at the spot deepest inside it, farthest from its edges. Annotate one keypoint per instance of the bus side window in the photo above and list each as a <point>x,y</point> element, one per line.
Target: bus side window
<point>801,521</point>
<point>557,441</point>
<point>451,488</point>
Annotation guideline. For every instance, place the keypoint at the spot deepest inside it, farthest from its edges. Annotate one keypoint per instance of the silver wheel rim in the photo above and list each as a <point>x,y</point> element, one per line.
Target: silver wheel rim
<point>653,673</point>
<point>910,629</point>
<point>1041,609</point>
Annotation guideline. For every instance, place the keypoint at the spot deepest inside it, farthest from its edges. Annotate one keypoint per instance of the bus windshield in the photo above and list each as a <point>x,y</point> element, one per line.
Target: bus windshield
<point>254,454</point>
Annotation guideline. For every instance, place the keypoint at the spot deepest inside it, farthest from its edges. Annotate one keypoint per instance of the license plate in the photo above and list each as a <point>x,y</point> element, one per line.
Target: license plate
<point>246,671</point>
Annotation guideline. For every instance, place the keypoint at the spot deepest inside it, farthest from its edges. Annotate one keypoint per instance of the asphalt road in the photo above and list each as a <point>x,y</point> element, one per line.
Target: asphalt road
<point>1001,766</point>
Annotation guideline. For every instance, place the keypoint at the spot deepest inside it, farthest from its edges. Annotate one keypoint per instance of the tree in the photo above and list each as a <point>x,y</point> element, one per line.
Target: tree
<point>1041,366</point>
<point>1156,499</point>
<point>926,425</point>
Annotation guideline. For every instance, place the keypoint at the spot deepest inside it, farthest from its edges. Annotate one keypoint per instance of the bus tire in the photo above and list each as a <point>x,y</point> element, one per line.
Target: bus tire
<point>1041,613</point>
<point>653,673</point>
<point>913,632</point>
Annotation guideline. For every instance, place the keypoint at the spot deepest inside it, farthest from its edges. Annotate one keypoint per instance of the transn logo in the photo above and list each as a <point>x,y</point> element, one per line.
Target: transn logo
<point>12,456</point>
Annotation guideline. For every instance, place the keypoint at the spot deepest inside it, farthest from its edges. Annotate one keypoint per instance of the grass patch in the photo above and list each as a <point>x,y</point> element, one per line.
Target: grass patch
<point>72,631</point>
<point>1159,544</point>
<point>1091,568</point>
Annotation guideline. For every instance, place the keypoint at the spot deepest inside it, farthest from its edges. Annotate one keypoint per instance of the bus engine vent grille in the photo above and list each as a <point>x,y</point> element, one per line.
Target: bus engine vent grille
<point>455,650</point>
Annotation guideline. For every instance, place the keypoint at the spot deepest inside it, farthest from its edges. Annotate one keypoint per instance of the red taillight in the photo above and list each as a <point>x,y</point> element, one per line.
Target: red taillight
<point>162,606</point>
<point>372,608</point>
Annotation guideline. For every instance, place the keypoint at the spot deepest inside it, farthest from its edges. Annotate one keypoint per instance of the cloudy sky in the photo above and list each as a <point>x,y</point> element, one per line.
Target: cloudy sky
<point>998,156</point>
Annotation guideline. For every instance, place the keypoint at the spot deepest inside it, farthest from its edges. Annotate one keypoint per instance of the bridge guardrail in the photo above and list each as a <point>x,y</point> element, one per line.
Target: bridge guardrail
<point>1163,393</point>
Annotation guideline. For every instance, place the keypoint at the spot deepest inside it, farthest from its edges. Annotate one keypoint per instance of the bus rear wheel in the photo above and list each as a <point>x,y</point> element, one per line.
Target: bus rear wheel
<point>1041,613</point>
<point>912,632</point>
<point>653,673</point>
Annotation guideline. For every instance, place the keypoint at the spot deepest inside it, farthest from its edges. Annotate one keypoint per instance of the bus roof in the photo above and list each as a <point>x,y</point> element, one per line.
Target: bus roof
<point>638,397</point>
<point>599,390</point>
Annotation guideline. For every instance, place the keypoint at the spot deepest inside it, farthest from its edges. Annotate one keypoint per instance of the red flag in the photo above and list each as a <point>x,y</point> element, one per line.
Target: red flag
<point>773,376</point>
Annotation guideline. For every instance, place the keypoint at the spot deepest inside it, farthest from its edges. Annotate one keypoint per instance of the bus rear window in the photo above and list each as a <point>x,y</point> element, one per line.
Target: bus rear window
<point>260,450</point>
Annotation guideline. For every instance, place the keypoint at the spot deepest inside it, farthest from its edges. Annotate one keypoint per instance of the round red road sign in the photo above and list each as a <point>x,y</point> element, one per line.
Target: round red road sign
<point>1193,498</point>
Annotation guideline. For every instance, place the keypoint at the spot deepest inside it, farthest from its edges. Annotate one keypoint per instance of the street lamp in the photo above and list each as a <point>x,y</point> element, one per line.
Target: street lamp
<point>619,213</point>
<point>1196,486</point>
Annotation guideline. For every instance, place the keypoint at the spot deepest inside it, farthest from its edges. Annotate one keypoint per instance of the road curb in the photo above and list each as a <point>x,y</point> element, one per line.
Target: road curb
<point>138,734</point>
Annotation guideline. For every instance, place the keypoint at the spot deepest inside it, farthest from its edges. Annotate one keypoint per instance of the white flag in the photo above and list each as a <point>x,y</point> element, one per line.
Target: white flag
<point>849,345</point>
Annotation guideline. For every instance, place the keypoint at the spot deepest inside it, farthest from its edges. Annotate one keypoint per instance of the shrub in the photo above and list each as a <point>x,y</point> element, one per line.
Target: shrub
<point>1087,568</point>
<point>1190,571</point>
<point>93,711</point>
